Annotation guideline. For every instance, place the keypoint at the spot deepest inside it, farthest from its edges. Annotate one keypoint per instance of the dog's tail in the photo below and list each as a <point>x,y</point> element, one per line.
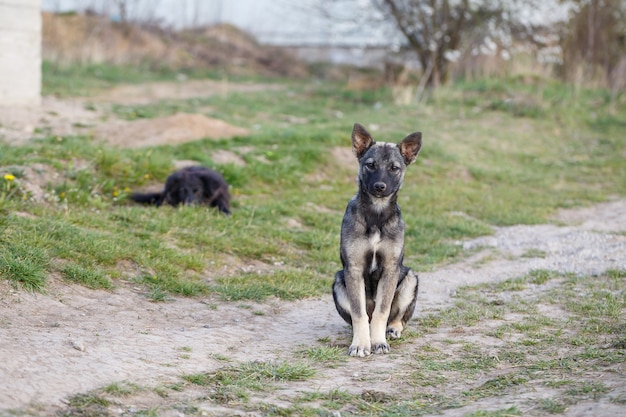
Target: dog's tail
<point>147,198</point>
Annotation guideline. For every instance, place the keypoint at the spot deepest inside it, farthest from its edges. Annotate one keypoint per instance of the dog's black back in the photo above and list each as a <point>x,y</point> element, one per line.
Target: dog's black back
<point>191,185</point>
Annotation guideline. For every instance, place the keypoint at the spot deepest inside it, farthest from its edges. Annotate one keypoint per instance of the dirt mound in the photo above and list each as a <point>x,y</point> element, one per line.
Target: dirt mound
<point>170,130</point>
<point>227,46</point>
<point>96,39</point>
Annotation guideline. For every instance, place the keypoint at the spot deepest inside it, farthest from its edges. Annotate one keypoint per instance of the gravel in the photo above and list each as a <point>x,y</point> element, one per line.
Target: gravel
<point>586,242</point>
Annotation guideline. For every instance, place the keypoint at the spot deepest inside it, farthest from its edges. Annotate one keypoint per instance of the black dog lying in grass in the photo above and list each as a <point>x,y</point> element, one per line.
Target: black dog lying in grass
<point>191,185</point>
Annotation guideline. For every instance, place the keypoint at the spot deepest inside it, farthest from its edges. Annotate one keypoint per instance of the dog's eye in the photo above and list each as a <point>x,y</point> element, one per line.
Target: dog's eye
<point>370,165</point>
<point>394,168</point>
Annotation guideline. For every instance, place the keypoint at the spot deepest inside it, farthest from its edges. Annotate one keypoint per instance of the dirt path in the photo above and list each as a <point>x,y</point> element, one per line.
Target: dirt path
<point>73,339</point>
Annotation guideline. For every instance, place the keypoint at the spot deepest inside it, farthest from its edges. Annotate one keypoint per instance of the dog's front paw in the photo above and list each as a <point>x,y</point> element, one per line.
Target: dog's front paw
<point>380,348</point>
<point>360,351</point>
<point>394,333</point>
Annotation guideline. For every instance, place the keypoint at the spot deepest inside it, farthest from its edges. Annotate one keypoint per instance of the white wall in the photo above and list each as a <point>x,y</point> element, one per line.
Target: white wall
<point>20,52</point>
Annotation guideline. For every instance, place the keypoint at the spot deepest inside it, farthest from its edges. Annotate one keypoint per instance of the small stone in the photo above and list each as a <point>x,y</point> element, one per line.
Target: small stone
<point>78,345</point>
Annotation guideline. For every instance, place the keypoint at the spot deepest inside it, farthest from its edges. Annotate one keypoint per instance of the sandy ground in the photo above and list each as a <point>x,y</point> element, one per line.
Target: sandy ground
<point>72,339</point>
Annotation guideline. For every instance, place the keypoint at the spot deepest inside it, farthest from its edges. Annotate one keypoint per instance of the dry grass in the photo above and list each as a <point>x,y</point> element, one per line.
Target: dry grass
<point>71,39</point>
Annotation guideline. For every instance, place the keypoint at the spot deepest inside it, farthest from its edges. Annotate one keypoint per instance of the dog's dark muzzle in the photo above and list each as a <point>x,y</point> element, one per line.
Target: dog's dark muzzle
<point>379,189</point>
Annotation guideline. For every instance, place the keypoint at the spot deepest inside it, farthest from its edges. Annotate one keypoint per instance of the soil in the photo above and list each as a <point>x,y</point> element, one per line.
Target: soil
<point>90,116</point>
<point>73,339</point>
<point>169,130</point>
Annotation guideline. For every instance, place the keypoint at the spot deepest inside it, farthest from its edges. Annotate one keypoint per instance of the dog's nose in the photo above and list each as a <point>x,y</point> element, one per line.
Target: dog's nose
<point>380,186</point>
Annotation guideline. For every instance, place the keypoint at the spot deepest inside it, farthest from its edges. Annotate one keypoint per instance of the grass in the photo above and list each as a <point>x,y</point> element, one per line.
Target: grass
<point>234,384</point>
<point>491,166</point>
<point>121,389</point>
<point>89,404</point>
<point>86,79</point>
<point>254,374</point>
<point>286,285</point>
<point>325,354</point>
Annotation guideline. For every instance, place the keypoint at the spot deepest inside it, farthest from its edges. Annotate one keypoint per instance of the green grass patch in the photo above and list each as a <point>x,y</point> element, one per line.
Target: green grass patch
<point>504,412</point>
<point>237,382</point>
<point>87,79</point>
<point>121,389</point>
<point>254,374</point>
<point>284,284</point>
<point>89,404</point>
<point>23,265</point>
<point>88,277</point>
<point>325,354</point>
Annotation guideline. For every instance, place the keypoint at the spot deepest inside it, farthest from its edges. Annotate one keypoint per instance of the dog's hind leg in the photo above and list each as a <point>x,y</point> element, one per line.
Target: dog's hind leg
<point>403,304</point>
<point>340,295</point>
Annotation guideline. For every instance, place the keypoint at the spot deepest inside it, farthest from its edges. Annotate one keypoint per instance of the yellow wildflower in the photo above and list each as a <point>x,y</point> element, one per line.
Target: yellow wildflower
<point>9,177</point>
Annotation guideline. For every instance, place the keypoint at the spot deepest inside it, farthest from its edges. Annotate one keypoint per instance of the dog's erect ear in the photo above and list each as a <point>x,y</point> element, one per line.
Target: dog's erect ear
<point>361,140</point>
<point>410,147</point>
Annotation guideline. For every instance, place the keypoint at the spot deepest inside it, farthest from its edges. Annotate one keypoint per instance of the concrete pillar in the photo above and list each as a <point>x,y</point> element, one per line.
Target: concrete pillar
<point>20,52</point>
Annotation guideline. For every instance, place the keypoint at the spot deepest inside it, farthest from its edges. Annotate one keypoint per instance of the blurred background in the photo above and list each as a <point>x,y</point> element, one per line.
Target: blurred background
<point>409,42</point>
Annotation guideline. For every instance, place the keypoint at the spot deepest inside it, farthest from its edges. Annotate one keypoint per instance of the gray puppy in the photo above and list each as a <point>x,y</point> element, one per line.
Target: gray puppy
<point>375,293</point>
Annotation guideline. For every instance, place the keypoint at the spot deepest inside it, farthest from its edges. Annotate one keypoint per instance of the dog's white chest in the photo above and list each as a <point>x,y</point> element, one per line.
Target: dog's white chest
<point>374,240</point>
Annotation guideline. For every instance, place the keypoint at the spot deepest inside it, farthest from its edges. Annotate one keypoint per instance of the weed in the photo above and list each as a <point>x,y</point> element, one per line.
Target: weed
<point>253,374</point>
<point>552,406</point>
<point>534,253</point>
<point>11,189</point>
<point>157,294</point>
<point>151,412</point>
<point>161,391</point>
<point>92,278</point>
<point>588,390</point>
<point>333,399</point>
<point>219,357</point>
<point>234,383</point>
<point>121,388</point>
<point>497,386</point>
<point>505,412</point>
<point>23,264</point>
<point>325,354</point>
<point>86,405</point>
<point>540,276</point>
